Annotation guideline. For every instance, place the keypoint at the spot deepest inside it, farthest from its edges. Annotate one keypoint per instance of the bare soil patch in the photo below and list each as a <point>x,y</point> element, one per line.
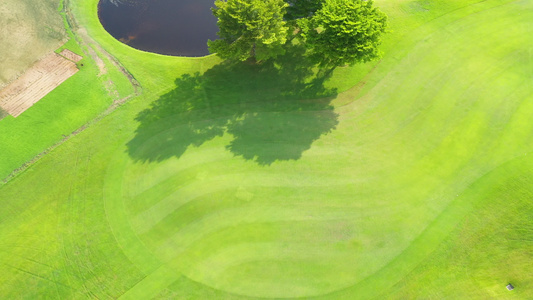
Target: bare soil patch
<point>71,55</point>
<point>37,82</point>
<point>29,30</point>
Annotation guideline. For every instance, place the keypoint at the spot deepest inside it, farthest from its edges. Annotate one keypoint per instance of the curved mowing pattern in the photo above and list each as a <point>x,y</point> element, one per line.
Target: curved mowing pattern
<point>417,183</point>
<point>224,223</point>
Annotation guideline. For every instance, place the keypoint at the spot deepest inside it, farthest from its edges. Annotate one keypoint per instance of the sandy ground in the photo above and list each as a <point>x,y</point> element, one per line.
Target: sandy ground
<point>71,55</point>
<point>29,30</point>
<point>37,82</point>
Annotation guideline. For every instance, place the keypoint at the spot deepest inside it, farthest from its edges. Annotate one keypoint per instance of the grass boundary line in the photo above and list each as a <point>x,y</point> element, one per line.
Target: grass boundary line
<point>70,25</point>
<point>453,207</point>
<point>25,166</point>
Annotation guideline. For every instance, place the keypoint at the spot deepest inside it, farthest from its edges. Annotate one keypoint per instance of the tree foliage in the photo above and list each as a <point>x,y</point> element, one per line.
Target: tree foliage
<point>344,32</point>
<point>335,32</point>
<point>302,8</point>
<point>249,29</point>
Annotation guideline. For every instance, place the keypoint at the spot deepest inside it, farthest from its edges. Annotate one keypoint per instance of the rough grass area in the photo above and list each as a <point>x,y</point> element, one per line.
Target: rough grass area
<point>3,114</point>
<point>408,178</point>
<point>29,30</point>
<point>58,115</point>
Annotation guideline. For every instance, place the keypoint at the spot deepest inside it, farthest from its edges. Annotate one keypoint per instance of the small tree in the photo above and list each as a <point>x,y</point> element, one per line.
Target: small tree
<point>344,32</point>
<point>249,29</point>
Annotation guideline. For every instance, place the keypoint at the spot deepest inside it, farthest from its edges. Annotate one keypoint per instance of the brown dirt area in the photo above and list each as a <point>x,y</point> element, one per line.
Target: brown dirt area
<point>71,55</point>
<point>37,82</point>
<point>29,30</point>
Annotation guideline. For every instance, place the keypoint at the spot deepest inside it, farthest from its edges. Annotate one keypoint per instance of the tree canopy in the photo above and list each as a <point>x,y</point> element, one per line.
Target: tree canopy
<point>302,8</point>
<point>344,32</point>
<point>335,32</point>
<point>249,29</point>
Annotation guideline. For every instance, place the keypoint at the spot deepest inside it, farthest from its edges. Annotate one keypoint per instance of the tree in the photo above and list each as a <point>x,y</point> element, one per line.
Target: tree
<point>249,29</point>
<point>344,32</point>
<point>302,8</point>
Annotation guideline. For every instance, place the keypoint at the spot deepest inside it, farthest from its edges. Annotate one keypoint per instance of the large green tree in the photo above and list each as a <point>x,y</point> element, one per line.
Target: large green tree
<point>249,29</point>
<point>344,32</point>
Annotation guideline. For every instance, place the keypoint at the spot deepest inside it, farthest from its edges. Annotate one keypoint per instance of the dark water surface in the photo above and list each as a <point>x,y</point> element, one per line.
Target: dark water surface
<point>171,27</point>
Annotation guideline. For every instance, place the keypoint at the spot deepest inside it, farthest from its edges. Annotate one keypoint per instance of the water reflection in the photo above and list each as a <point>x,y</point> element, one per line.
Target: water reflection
<point>171,27</point>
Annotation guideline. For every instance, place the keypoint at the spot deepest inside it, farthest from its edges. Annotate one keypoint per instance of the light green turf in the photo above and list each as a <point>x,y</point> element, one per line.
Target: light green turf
<point>224,184</point>
<point>68,107</point>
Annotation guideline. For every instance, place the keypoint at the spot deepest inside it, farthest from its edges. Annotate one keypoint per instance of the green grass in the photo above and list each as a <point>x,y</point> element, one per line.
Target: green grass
<point>237,181</point>
<point>60,113</point>
<point>486,249</point>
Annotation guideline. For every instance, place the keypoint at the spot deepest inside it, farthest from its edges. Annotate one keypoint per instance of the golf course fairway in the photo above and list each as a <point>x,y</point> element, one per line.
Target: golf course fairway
<point>406,178</point>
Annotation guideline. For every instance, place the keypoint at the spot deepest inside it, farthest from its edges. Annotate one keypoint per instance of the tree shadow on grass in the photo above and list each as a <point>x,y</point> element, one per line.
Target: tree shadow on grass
<point>259,105</point>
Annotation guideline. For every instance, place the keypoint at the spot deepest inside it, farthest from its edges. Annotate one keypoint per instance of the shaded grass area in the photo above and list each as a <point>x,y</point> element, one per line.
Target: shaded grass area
<point>233,98</point>
<point>409,151</point>
<point>226,182</point>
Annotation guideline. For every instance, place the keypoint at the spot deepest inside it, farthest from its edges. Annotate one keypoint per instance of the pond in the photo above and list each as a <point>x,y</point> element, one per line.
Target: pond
<point>170,27</point>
